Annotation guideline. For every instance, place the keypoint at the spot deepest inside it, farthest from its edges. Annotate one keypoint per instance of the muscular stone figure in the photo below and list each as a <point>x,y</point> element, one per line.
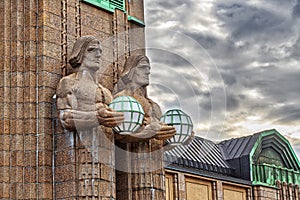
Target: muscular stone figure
<point>82,104</point>
<point>82,101</point>
<point>133,82</point>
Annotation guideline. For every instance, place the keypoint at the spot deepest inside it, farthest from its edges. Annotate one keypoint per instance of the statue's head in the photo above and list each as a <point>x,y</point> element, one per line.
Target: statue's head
<point>86,52</point>
<point>136,70</point>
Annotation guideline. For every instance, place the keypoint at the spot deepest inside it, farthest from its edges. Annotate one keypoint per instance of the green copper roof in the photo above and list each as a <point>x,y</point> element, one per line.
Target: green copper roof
<point>273,139</point>
<point>265,174</point>
<point>109,5</point>
<point>136,20</point>
<point>267,171</point>
<point>262,158</point>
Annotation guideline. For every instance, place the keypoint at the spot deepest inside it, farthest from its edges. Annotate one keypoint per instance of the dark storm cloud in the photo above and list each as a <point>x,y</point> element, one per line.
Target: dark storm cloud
<point>288,114</point>
<point>169,82</point>
<point>206,41</point>
<point>242,19</point>
<point>255,46</point>
<point>274,83</point>
<point>296,10</point>
<point>232,102</point>
<point>169,58</point>
<point>254,24</point>
<point>290,118</point>
<point>296,49</point>
<point>229,79</point>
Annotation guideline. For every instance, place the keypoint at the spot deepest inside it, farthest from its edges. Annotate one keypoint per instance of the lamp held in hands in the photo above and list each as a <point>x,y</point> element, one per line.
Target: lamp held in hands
<point>133,113</point>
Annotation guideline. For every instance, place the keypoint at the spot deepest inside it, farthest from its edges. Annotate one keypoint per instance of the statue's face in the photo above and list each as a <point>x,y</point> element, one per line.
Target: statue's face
<point>141,73</point>
<point>91,58</point>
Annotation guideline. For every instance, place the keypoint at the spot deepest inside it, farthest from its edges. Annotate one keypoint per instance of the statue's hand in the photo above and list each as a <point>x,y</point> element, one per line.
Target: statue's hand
<point>162,131</point>
<point>157,130</point>
<point>108,117</point>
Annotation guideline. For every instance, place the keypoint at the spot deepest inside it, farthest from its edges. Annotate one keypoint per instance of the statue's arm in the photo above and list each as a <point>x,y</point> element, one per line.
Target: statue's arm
<point>157,130</point>
<point>163,131</point>
<point>154,129</point>
<point>71,118</point>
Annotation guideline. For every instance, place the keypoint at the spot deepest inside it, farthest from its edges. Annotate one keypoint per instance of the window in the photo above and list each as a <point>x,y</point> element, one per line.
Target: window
<point>169,187</point>
<point>109,5</point>
<point>198,189</point>
<point>234,192</point>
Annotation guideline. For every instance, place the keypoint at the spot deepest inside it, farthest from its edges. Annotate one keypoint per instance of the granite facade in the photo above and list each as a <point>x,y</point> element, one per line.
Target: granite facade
<point>37,159</point>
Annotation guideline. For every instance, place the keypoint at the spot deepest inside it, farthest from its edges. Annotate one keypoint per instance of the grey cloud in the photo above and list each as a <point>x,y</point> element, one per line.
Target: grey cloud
<point>295,143</point>
<point>168,58</point>
<point>291,118</point>
<point>232,102</point>
<point>173,4</point>
<point>254,24</point>
<point>280,85</point>
<point>229,78</point>
<point>296,49</point>
<point>206,41</point>
<point>260,53</point>
<point>159,12</point>
<point>288,114</point>
<point>296,10</point>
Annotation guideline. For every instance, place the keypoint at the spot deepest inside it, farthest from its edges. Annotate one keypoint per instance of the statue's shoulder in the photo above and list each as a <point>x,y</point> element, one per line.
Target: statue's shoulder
<point>65,85</point>
<point>156,109</point>
<point>68,78</point>
<point>122,93</point>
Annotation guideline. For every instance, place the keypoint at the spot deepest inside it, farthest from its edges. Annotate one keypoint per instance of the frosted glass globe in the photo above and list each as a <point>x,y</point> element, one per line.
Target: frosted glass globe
<point>182,123</point>
<point>133,113</point>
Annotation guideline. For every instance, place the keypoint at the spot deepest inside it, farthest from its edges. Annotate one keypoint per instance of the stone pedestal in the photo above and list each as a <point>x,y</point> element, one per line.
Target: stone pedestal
<point>85,165</point>
<point>145,176</point>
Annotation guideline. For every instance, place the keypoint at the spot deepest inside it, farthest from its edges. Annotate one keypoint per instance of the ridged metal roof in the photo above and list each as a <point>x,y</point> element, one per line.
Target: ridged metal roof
<point>232,158</point>
<point>238,147</point>
<point>242,152</point>
<point>199,154</point>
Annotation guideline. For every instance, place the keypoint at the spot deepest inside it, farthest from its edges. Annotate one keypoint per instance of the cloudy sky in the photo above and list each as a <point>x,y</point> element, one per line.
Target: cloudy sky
<point>234,66</point>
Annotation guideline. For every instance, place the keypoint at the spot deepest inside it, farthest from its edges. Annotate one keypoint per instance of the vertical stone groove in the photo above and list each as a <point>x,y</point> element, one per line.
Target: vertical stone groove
<point>78,19</point>
<point>9,102</point>
<point>23,96</point>
<point>115,48</point>
<point>37,96</point>
<point>64,52</point>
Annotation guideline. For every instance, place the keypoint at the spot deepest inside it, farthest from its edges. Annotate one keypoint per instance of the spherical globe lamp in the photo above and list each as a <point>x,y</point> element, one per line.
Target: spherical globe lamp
<point>133,114</point>
<point>182,123</point>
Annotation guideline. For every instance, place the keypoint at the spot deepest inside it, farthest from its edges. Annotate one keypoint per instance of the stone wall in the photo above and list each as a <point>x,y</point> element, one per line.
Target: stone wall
<point>265,193</point>
<point>38,160</point>
<point>283,191</point>
<point>185,186</point>
<point>29,71</point>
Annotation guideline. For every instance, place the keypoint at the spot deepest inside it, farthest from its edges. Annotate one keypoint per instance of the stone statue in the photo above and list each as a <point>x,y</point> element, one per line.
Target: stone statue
<point>133,82</point>
<point>83,111</point>
<point>82,102</point>
<point>143,155</point>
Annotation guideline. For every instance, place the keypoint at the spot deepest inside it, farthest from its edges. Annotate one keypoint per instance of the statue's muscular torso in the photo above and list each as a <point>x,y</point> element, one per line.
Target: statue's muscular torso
<point>79,92</point>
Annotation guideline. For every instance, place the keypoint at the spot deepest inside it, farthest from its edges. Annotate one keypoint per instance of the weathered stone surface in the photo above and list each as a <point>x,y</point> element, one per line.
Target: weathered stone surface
<point>33,44</point>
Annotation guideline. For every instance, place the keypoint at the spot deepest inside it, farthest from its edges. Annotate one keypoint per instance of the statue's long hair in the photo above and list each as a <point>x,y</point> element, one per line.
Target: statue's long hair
<point>128,71</point>
<point>79,49</point>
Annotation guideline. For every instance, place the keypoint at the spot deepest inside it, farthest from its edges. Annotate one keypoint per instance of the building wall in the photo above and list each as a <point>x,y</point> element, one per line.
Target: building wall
<point>184,186</point>
<point>29,71</point>
<point>36,38</point>
<point>266,193</point>
<point>282,191</point>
